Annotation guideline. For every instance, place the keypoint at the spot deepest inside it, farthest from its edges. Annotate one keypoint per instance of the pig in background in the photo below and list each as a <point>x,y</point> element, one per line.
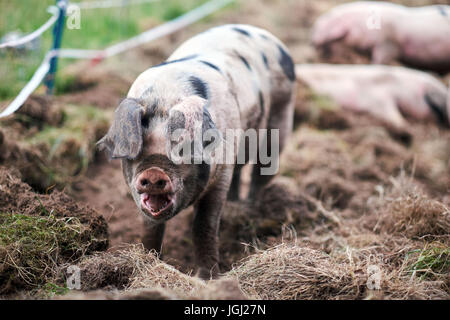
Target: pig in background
<point>418,36</point>
<point>386,92</point>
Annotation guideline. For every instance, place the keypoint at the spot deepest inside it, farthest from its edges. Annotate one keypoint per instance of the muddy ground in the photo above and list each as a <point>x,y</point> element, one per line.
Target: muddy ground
<point>352,192</point>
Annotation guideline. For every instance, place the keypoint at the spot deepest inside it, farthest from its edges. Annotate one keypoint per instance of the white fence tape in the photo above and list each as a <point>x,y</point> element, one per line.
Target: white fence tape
<point>109,3</point>
<point>168,27</point>
<point>35,34</point>
<point>149,35</point>
<point>35,81</point>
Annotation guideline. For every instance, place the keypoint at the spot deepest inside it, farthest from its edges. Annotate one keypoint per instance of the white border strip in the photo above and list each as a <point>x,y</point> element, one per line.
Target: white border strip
<point>35,34</point>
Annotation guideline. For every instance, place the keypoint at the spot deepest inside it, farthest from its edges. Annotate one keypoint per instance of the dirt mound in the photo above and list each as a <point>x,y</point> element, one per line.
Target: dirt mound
<point>39,110</point>
<point>97,88</point>
<point>113,270</point>
<point>246,222</point>
<point>133,273</point>
<point>406,210</point>
<point>27,161</point>
<point>40,232</point>
<point>56,143</point>
<point>290,272</point>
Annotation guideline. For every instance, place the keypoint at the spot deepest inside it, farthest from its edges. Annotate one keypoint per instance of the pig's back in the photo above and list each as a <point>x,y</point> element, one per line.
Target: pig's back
<point>256,65</point>
<point>425,36</point>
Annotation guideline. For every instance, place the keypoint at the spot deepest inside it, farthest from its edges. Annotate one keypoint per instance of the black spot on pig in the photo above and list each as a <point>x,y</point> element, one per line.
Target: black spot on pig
<point>244,61</point>
<point>150,110</point>
<point>264,37</point>
<point>242,31</point>
<point>287,64</point>
<point>437,104</point>
<point>265,60</point>
<point>200,87</point>
<point>261,107</point>
<point>261,99</point>
<point>208,123</point>
<point>209,64</point>
<point>177,60</point>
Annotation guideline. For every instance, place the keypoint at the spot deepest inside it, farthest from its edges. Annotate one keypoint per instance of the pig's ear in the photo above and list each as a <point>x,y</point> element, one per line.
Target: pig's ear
<point>124,138</point>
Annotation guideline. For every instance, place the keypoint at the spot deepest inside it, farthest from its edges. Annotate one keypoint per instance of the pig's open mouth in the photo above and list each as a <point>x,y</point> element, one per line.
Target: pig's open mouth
<point>156,204</point>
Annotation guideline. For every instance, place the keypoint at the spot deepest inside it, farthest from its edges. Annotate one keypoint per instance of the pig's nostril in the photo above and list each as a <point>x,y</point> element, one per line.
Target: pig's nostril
<point>144,182</point>
<point>161,183</point>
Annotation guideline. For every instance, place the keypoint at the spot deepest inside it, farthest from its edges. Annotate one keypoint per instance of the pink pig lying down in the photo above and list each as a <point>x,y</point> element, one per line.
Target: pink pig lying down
<point>419,37</point>
<point>385,92</point>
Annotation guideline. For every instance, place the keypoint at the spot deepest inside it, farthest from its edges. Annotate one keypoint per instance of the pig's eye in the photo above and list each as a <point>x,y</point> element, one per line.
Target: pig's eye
<point>145,121</point>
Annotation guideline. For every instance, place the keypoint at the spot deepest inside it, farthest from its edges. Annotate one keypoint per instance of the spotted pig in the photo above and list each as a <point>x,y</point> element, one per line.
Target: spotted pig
<point>229,77</point>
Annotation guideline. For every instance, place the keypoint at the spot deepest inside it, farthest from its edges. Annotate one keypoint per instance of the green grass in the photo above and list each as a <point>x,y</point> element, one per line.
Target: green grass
<point>35,245</point>
<point>49,290</point>
<point>431,262</point>
<point>99,28</point>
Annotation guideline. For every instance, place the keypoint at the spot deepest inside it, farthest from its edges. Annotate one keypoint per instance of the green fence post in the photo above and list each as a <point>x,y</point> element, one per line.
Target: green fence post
<point>57,37</point>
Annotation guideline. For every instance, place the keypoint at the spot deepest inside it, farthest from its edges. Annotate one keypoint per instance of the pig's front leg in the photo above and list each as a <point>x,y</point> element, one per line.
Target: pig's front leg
<point>153,235</point>
<point>385,53</point>
<point>206,229</point>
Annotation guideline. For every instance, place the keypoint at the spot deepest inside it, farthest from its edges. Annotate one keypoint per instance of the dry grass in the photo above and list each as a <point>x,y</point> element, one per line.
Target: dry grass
<point>139,274</point>
<point>289,271</point>
<point>407,210</point>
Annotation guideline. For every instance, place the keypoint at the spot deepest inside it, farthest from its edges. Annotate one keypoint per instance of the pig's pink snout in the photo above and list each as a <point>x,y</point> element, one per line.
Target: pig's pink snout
<point>153,181</point>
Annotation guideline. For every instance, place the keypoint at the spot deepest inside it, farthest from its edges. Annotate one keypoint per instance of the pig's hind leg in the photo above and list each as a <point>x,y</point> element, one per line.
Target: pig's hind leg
<point>233,193</point>
<point>281,118</point>
<point>385,53</point>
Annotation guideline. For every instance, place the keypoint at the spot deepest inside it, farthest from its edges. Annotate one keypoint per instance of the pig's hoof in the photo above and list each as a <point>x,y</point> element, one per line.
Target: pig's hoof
<point>208,274</point>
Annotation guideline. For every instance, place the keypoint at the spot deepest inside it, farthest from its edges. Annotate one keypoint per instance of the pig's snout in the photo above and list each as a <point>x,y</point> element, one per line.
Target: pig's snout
<point>153,181</point>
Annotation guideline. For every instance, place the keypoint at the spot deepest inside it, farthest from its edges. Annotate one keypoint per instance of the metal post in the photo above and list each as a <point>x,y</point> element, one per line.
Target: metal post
<point>57,37</point>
